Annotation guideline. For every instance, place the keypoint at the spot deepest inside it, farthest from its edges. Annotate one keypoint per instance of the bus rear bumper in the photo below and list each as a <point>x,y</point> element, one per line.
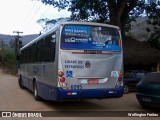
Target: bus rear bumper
<point>90,93</point>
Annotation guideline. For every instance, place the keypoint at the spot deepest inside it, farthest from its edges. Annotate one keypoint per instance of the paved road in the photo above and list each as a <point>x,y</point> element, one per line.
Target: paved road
<point>12,98</point>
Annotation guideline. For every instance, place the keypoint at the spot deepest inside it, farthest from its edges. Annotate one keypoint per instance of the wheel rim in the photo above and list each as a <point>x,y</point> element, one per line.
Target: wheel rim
<point>126,89</point>
<point>35,90</point>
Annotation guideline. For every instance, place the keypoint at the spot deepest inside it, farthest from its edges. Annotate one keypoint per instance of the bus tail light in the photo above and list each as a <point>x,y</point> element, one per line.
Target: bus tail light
<point>120,79</point>
<point>119,42</point>
<point>62,79</point>
<point>60,73</point>
<point>121,74</point>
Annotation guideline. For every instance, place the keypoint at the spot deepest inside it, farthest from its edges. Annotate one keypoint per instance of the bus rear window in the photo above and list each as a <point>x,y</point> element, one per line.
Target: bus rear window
<point>89,37</point>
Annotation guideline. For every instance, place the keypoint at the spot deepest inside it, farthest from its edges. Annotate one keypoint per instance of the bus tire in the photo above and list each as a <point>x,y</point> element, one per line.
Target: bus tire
<point>20,83</point>
<point>35,92</point>
<point>126,89</point>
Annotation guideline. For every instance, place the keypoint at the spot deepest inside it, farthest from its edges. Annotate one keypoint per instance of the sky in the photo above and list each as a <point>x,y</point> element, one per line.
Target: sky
<point>22,15</point>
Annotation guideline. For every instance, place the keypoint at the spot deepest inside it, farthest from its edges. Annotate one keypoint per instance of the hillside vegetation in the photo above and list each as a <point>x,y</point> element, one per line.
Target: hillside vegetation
<point>8,54</point>
<point>9,62</point>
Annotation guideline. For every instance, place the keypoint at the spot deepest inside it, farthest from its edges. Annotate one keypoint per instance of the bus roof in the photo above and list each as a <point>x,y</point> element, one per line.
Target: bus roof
<point>71,22</point>
<point>91,23</point>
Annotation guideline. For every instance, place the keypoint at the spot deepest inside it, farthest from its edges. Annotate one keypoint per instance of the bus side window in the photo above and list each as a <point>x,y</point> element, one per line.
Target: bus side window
<point>33,53</point>
<point>40,51</point>
<point>49,48</point>
<point>21,57</point>
<point>25,56</point>
<point>29,55</point>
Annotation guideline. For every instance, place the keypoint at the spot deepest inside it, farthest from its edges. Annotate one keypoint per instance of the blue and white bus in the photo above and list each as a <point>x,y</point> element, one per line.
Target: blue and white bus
<point>74,60</point>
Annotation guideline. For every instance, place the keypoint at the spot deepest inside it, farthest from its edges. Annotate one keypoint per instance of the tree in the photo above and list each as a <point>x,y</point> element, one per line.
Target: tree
<point>12,43</point>
<point>115,12</point>
<point>154,20</point>
<point>47,24</point>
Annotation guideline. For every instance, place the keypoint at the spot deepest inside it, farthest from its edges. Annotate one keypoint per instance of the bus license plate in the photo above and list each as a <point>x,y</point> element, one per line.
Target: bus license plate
<point>93,81</point>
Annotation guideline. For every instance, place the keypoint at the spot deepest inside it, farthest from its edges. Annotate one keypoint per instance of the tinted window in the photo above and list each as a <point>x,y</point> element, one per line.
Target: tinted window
<point>128,75</point>
<point>22,58</point>
<point>43,50</point>
<point>28,55</point>
<point>33,56</point>
<point>49,48</point>
<point>152,77</point>
<point>40,50</point>
<point>140,75</point>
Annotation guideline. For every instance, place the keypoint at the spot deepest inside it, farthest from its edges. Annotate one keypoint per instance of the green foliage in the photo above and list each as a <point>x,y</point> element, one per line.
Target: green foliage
<point>12,43</point>
<point>10,63</point>
<point>116,12</point>
<point>153,12</point>
<point>154,39</point>
<point>9,58</point>
<point>96,9</point>
<point>60,4</point>
<point>155,43</point>
<point>89,10</point>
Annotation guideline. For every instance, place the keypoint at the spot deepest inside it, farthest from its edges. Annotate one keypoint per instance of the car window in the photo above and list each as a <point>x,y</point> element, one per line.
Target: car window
<point>140,75</point>
<point>128,75</point>
<point>152,77</point>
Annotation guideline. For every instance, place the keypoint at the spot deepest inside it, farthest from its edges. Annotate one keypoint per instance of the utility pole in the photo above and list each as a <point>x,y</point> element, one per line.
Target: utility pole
<point>17,41</point>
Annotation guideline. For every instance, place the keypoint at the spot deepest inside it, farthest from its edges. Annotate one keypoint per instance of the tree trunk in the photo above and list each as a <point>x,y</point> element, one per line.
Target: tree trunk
<point>116,11</point>
<point>119,10</point>
<point>118,21</point>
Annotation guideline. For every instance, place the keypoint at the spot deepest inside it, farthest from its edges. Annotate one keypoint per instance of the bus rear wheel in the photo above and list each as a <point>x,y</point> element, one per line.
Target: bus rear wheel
<point>126,89</point>
<point>35,92</point>
<point>20,83</point>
